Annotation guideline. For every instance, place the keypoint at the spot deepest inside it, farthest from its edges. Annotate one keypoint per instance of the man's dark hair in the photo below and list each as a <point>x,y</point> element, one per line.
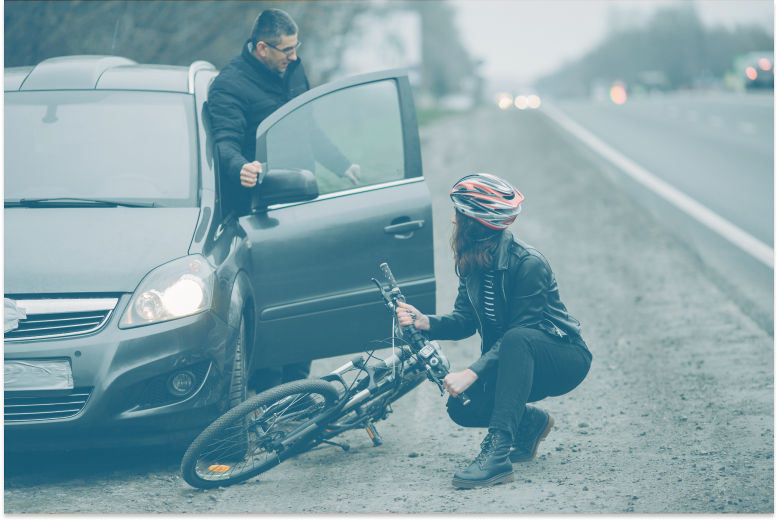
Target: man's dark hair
<point>271,25</point>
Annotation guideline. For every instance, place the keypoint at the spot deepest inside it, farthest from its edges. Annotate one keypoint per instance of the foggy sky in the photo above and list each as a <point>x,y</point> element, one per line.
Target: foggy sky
<point>520,41</point>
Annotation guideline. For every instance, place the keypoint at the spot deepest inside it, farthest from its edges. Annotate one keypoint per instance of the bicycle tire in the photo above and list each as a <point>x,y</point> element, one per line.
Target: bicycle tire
<point>218,456</point>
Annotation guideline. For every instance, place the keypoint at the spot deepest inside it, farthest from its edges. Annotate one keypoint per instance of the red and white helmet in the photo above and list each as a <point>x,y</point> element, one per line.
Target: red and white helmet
<point>492,201</point>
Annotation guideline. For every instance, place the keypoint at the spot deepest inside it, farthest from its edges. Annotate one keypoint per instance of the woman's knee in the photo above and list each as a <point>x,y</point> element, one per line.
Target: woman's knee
<point>517,339</point>
<point>464,417</point>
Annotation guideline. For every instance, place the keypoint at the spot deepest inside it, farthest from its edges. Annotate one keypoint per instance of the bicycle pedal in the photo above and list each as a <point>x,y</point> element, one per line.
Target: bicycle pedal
<point>373,433</point>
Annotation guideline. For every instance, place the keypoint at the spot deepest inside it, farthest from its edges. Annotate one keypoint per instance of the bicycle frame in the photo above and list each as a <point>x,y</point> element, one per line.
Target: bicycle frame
<point>420,356</point>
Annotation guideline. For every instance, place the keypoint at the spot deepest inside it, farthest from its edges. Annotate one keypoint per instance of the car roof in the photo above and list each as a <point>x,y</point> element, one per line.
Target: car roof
<point>101,72</point>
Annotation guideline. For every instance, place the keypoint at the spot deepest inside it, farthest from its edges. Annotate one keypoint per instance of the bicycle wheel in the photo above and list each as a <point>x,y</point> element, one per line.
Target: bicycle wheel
<point>239,445</point>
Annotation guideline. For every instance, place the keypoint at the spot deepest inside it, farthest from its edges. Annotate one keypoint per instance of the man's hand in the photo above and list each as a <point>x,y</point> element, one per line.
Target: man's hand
<point>354,172</point>
<point>457,383</point>
<point>407,315</point>
<point>248,174</point>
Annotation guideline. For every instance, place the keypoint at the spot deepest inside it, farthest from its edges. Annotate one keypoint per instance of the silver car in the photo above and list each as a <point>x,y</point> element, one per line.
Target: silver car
<point>148,299</point>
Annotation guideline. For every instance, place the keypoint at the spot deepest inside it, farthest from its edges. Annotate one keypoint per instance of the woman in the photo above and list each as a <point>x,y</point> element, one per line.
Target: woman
<point>531,346</point>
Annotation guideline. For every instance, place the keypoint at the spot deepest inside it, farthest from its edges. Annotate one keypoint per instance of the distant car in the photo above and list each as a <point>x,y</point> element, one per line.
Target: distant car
<point>148,298</point>
<point>756,70</point>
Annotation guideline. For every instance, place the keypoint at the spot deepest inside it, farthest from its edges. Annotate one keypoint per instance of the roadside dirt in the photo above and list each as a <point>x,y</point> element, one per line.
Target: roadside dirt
<point>676,414</point>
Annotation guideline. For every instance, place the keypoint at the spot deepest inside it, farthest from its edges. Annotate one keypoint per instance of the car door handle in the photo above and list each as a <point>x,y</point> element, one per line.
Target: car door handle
<point>411,226</point>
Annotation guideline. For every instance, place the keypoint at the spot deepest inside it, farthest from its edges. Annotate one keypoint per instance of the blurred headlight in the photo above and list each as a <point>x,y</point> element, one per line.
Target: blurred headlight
<point>177,289</point>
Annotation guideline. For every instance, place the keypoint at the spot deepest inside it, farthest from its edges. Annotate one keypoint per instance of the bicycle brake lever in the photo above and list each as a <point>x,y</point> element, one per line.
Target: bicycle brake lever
<point>435,379</point>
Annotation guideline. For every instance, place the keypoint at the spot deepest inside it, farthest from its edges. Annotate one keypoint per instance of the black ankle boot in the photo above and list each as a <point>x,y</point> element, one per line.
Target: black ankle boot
<point>490,467</point>
<point>534,427</point>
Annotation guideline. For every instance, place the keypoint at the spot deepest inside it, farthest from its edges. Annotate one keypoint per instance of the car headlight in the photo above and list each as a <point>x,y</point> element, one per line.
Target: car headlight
<point>177,289</point>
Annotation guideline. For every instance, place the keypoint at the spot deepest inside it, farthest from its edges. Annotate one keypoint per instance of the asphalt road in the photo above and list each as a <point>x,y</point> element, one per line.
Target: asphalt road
<point>718,149</point>
<point>676,414</point>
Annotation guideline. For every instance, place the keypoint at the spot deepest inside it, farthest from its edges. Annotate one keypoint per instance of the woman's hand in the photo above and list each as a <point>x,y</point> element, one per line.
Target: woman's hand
<point>407,315</point>
<point>457,383</point>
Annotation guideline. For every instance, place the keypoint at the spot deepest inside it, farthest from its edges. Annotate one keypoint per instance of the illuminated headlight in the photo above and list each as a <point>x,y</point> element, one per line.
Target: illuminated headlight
<point>177,289</point>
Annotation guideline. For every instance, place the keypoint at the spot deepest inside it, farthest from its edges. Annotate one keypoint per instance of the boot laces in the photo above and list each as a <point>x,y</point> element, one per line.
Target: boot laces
<point>487,446</point>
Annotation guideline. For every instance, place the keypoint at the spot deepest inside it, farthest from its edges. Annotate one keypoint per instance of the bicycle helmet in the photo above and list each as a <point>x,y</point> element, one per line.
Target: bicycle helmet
<point>492,201</point>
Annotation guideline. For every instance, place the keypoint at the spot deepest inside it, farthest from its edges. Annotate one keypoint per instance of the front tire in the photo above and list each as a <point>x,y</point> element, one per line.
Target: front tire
<point>239,380</point>
<point>239,445</point>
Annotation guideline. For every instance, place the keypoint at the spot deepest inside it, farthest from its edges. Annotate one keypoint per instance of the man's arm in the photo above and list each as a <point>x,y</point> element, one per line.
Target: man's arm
<point>326,153</point>
<point>228,121</point>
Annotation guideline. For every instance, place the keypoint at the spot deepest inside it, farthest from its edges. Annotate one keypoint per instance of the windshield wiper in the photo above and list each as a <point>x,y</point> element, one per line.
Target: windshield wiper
<point>53,201</point>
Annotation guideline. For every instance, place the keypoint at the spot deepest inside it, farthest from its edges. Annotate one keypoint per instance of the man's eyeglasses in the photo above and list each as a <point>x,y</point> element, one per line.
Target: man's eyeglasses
<point>287,52</point>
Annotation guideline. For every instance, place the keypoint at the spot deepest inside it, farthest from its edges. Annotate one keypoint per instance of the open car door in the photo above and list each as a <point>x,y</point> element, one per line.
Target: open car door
<point>313,261</point>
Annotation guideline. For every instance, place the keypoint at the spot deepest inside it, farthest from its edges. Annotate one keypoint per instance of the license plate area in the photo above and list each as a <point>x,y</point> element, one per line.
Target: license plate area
<point>38,375</point>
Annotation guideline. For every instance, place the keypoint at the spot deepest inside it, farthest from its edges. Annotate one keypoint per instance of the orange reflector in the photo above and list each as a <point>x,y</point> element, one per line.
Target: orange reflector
<point>219,468</point>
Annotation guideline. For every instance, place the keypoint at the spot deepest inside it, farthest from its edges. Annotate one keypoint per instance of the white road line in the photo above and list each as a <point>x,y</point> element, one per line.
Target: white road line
<point>740,238</point>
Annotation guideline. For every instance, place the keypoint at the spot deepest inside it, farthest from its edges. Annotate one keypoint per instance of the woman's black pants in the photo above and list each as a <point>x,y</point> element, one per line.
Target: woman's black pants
<point>532,365</point>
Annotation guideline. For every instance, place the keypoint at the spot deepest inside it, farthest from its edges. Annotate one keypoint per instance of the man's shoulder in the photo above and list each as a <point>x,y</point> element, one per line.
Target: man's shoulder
<point>231,71</point>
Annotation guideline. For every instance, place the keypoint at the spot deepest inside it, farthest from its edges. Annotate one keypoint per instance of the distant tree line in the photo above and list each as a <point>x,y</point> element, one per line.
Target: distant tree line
<point>181,32</point>
<point>168,32</point>
<point>674,43</point>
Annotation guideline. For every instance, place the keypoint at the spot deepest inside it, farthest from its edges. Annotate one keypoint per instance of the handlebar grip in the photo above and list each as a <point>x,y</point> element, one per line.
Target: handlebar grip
<point>388,275</point>
<point>462,397</point>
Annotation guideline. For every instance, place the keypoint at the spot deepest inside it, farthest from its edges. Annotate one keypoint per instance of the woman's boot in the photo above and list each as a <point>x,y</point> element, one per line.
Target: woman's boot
<point>534,427</point>
<point>491,466</point>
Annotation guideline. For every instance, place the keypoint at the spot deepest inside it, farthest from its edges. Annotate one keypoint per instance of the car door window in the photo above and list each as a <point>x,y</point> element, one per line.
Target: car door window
<point>359,125</point>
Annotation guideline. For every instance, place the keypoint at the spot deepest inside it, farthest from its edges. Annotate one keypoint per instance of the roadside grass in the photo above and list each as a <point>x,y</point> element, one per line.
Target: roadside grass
<point>427,116</point>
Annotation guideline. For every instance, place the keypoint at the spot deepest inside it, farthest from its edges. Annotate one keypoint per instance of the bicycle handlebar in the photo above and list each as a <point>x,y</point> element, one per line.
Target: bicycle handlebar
<point>418,341</point>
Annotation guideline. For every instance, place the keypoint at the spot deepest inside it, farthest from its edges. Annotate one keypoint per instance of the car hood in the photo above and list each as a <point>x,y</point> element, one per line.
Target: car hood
<point>91,250</point>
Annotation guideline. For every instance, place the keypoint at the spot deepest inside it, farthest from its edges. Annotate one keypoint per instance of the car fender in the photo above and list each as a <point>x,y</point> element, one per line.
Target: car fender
<point>242,304</point>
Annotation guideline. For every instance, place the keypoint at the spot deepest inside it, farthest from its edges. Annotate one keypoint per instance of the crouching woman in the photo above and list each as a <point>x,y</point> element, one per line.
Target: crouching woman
<point>531,347</point>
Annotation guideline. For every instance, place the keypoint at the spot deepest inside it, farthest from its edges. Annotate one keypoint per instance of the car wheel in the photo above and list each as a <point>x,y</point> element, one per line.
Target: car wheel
<point>239,380</point>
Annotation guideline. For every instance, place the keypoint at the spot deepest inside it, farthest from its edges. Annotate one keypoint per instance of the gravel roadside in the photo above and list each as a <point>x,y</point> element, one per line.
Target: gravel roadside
<point>676,414</point>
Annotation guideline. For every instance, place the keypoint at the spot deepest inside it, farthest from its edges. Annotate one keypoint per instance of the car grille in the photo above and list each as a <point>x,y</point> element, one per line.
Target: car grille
<point>51,318</point>
<point>156,393</point>
<point>21,406</point>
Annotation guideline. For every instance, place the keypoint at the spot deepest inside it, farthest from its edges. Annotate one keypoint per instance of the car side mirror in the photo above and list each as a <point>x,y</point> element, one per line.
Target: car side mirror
<point>284,186</point>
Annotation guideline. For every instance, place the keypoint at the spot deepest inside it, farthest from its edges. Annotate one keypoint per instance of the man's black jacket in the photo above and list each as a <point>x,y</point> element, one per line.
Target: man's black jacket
<point>244,93</point>
<point>526,295</point>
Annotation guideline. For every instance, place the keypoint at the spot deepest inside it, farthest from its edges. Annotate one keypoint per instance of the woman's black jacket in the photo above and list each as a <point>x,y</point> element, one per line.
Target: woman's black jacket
<point>526,295</point>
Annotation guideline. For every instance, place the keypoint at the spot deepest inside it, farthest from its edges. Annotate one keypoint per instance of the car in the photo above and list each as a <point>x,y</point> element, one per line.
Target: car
<point>148,297</point>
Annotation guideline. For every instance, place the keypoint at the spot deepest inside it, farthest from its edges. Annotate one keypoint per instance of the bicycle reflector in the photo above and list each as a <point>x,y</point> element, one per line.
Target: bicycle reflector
<point>218,468</point>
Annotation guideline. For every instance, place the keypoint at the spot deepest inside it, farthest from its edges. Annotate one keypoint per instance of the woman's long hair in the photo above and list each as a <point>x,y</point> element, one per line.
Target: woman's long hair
<point>473,245</point>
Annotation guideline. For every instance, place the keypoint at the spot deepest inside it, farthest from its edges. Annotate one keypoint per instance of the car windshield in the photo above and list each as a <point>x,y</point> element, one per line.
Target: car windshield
<point>118,145</point>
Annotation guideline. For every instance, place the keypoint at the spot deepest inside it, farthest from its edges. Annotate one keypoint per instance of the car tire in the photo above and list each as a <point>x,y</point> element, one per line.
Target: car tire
<point>239,380</point>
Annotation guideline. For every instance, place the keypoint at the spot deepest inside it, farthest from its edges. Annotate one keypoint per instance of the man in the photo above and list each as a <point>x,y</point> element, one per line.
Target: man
<point>263,77</point>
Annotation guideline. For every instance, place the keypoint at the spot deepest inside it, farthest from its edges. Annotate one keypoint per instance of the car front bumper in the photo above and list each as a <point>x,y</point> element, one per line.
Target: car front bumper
<point>124,371</point>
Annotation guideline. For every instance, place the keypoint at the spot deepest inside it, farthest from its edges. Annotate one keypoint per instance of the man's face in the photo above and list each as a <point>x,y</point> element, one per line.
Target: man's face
<point>275,59</point>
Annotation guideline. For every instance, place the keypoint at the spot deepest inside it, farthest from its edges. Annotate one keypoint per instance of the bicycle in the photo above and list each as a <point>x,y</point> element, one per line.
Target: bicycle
<point>269,428</point>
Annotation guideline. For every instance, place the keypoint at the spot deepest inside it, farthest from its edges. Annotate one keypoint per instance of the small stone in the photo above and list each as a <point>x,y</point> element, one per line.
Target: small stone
<point>699,428</point>
<point>551,494</point>
<point>634,497</point>
<point>684,418</point>
<point>213,497</point>
<point>528,481</point>
<point>190,496</point>
<point>585,489</point>
<point>642,433</point>
<point>583,424</point>
<point>413,455</point>
<point>559,448</point>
